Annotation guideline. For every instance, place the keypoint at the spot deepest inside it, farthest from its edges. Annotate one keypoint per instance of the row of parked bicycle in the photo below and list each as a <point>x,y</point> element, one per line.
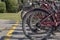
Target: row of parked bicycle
<point>42,18</point>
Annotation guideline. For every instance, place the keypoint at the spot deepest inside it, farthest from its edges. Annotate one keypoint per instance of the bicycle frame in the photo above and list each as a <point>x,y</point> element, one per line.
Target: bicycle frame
<point>54,14</point>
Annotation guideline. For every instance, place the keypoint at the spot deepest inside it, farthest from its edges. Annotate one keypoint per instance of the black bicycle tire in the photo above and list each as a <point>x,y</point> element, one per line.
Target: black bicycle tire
<point>27,16</point>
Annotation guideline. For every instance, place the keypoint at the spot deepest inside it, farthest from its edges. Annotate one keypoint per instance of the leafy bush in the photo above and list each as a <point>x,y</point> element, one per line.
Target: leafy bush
<point>20,3</point>
<point>2,7</point>
<point>12,5</point>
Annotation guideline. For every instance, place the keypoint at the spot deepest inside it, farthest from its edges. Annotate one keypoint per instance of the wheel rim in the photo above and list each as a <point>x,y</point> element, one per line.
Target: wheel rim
<point>34,21</point>
<point>30,33</point>
<point>40,28</point>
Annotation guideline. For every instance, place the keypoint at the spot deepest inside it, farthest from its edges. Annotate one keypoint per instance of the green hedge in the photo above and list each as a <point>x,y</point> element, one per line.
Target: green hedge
<point>2,7</point>
<point>12,5</point>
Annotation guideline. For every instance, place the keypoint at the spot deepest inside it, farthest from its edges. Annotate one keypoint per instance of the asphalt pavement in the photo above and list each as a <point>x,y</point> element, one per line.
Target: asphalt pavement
<point>5,26</point>
<point>6,33</point>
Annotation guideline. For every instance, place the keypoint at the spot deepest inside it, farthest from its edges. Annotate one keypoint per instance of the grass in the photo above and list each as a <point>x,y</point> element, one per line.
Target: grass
<point>10,16</point>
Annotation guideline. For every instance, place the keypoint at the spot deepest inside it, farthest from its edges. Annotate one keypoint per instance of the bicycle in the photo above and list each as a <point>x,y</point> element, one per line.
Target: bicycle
<point>49,15</point>
<point>28,6</point>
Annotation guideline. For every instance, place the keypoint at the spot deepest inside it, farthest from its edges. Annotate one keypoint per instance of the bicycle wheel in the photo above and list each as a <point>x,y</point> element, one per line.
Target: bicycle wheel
<point>36,18</point>
<point>29,33</point>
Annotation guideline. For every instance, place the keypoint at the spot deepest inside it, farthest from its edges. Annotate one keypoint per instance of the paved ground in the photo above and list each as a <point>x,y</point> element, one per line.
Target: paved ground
<point>17,34</point>
<point>5,25</point>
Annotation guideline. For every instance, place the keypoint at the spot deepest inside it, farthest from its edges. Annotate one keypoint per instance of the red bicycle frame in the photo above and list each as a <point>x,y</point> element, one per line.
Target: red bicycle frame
<point>55,16</point>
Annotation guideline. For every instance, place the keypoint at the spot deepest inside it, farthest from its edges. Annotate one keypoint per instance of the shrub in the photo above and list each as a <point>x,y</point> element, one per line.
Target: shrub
<point>2,7</point>
<point>12,5</point>
<point>20,4</point>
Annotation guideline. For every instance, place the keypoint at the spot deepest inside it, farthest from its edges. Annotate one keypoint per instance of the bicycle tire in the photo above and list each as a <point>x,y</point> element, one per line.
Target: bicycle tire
<point>25,19</point>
